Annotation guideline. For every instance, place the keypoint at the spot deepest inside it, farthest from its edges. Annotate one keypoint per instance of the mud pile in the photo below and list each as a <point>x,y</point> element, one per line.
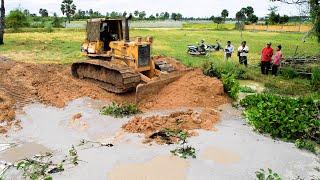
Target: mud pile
<point>192,90</point>
<point>184,121</point>
<point>7,113</point>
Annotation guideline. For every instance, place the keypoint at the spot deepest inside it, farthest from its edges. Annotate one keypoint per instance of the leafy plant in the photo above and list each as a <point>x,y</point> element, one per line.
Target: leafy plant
<point>307,145</point>
<point>289,72</point>
<point>231,85</point>
<point>283,117</point>
<point>184,152</point>
<point>269,175</point>
<point>42,166</point>
<point>120,111</point>
<point>315,78</point>
<point>246,89</point>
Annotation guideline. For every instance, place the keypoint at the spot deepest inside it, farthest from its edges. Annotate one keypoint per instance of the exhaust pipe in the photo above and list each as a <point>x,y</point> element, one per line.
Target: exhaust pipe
<point>126,28</point>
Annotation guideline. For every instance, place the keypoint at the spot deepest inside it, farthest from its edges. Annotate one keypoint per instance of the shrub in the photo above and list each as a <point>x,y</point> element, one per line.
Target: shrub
<point>289,72</point>
<point>48,28</point>
<point>306,144</point>
<point>231,85</point>
<point>246,89</point>
<point>269,175</point>
<point>117,111</point>
<point>16,19</point>
<point>315,78</point>
<point>283,117</point>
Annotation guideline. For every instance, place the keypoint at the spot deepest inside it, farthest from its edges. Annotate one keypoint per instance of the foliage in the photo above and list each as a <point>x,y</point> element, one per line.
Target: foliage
<point>246,89</point>
<point>231,85</point>
<point>122,110</point>
<point>306,144</point>
<point>315,78</point>
<point>68,8</point>
<point>246,15</point>
<point>283,117</point>
<point>16,19</point>
<point>184,152</point>
<point>270,175</point>
<point>56,22</point>
<point>42,166</point>
<point>224,14</point>
<point>48,28</point>
<point>289,72</point>
<point>274,18</point>
<point>43,12</point>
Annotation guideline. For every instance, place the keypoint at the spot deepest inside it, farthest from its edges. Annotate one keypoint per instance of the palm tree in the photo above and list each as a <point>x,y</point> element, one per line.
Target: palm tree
<point>2,14</point>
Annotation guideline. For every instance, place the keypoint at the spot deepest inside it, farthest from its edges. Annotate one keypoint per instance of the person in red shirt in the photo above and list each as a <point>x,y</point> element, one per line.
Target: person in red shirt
<point>266,57</point>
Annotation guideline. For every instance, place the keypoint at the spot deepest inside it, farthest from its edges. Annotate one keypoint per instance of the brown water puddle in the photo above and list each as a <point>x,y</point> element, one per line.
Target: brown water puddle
<point>23,151</point>
<point>220,156</point>
<point>159,168</point>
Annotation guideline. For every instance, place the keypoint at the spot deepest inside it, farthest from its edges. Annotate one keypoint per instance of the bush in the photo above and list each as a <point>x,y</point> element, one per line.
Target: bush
<point>231,85</point>
<point>228,73</point>
<point>307,145</point>
<point>117,111</point>
<point>17,19</point>
<point>48,28</point>
<point>246,89</point>
<point>289,72</point>
<point>283,117</point>
<point>315,78</point>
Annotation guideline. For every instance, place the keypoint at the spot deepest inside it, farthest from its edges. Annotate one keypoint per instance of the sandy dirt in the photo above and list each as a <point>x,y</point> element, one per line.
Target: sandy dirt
<point>185,121</point>
<point>53,84</point>
<point>192,90</point>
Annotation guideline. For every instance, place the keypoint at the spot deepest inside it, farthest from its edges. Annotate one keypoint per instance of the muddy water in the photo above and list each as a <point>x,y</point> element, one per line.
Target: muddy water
<point>155,169</point>
<point>220,156</point>
<point>234,151</point>
<point>23,151</point>
<point>259,87</point>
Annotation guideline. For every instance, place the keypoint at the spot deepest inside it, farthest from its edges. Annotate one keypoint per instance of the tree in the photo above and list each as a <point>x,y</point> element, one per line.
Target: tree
<point>224,14</point>
<point>142,15</point>
<point>173,16</point>
<point>136,13</point>
<point>43,12</point>
<point>253,18</point>
<point>26,12</point>
<point>314,13</point>
<point>68,8</point>
<point>56,23</point>
<point>248,11</point>
<point>166,15</point>
<point>16,19</point>
<point>284,19</point>
<point>151,17</point>
<point>2,23</point>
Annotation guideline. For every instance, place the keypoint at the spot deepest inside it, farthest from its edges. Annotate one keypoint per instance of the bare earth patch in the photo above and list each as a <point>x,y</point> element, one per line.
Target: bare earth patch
<point>185,121</point>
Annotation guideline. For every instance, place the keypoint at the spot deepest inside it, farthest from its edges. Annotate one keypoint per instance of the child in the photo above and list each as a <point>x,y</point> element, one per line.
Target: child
<point>277,61</point>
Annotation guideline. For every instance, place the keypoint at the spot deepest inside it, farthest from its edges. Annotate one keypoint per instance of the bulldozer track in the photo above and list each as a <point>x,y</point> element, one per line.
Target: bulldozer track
<point>109,76</point>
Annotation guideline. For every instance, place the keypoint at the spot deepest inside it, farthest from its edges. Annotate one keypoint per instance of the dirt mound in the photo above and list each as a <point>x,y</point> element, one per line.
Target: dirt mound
<point>177,65</point>
<point>184,121</point>
<point>7,113</point>
<point>192,90</point>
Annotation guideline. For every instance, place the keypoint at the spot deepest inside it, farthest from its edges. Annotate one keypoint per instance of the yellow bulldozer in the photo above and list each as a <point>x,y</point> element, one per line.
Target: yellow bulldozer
<point>120,64</point>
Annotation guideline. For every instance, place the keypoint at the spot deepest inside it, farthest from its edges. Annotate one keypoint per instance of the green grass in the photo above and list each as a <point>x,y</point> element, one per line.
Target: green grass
<point>212,26</point>
<point>63,46</point>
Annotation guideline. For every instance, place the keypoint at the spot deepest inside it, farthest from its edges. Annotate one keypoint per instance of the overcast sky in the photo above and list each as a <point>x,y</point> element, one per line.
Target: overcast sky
<point>195,8</point>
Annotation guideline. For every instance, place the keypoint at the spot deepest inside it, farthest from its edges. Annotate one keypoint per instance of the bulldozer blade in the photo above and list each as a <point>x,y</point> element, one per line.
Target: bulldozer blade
<point>144,91</point>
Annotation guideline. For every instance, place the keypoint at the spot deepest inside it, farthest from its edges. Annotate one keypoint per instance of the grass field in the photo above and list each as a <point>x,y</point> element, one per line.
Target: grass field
<point>63,47</point>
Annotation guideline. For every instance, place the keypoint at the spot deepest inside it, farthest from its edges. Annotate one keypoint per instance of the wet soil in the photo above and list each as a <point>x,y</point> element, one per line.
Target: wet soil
<point>184,121</point>
<point>53,84</point>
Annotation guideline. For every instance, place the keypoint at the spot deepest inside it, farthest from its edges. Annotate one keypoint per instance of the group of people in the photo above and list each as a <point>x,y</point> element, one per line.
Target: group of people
<point>266,56</point>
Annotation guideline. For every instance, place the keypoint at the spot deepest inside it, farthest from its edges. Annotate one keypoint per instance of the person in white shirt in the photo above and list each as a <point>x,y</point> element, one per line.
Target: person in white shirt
<point>243,51</point>
<point>229,49</point>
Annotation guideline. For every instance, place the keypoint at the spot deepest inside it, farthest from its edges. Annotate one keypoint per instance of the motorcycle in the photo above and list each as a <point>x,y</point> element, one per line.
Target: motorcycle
<point>197,50</point>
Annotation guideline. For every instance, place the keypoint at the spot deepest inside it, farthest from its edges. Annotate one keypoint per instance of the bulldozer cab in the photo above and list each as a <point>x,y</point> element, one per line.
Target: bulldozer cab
<point>105,30</point>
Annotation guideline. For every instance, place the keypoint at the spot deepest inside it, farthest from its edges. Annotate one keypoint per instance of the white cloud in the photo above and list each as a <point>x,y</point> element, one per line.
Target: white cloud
<point>196,8</point>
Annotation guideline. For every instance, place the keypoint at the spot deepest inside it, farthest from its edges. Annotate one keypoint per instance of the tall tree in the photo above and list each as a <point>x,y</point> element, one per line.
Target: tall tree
<point>68,8</point>
<point>314,13</point>
<point>2,23</point>
<point>43,12</point>
<point>224,14</point>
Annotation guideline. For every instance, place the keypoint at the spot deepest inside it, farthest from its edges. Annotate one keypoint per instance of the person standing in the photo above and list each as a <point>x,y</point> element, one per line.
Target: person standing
<point>277,61</point>
<point>243,51</point>
<point>229,49</point>
<point>266,57</point>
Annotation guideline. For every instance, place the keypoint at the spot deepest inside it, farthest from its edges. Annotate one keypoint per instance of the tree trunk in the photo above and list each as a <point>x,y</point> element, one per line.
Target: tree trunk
<point>2,23</point>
